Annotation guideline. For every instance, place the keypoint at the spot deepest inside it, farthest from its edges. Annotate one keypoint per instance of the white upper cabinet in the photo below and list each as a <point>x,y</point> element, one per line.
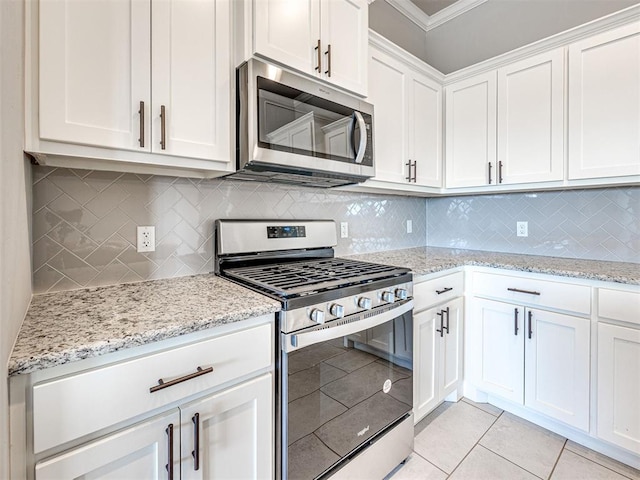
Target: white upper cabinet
<point>100,74</point>
<point>95,72</point>
<point>324,38</point>
<point>471,131</point>
<point>604,104</point>
<point>191,71</point>
<point>531,120</point>
<point>408,120</point>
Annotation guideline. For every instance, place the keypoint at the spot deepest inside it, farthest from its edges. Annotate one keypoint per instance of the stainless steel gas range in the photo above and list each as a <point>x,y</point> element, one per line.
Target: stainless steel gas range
<point>344,353</point>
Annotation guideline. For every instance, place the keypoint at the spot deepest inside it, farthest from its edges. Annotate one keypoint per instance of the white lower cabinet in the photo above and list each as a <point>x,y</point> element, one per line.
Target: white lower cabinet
<point>140,451</point>
<point>228,435</point>
<point>532,357</point>
<point>224,435</point>
<point>618,367</point>
<point>437,351</point>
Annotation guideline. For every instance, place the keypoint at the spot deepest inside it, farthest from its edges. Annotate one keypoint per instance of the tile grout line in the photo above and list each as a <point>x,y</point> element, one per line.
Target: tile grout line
<point>435,466</point>
<point>564,446</point>
<point>598,463</point>
<point>477,443</point>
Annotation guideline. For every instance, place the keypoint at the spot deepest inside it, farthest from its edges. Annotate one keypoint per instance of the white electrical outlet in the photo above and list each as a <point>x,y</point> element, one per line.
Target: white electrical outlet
<point>344,230</point>
<point>522,229</point>
<point>146,239</point>
<point>409,226</point>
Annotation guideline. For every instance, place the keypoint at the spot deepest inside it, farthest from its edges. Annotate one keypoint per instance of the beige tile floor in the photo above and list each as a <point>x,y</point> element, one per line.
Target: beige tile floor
<point>467,440</point>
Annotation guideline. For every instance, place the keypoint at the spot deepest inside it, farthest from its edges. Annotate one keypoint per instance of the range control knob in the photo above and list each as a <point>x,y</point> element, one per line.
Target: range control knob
<point>364,302</point>
<point>336,310</point>
<point>317,315</point>
<point>388,297</point>
<point>401,293</point>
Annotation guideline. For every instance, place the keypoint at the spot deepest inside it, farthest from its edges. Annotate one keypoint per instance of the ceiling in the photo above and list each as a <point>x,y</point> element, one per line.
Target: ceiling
<point>450,35</point>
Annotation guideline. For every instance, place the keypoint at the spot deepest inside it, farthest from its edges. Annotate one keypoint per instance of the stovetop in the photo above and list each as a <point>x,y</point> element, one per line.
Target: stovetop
<point>300,278</point>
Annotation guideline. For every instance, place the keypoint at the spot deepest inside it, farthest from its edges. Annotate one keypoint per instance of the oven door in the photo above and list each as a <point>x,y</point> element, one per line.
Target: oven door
<point>344,385</point>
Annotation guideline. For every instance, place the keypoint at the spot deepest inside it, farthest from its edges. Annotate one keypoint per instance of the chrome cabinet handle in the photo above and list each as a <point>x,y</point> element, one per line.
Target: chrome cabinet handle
<point>530,330</point>
<point>490,167</point>
<point>163,128</point>
<point>318,49</point>
<point>410,164</point>
<point>515,321</point>
<point>328,54</point>
<point>162,384</point>
<point>444,290</point>
<point>448,312</point>
<point>499,172</point>
<point>441,315</point>
<point>141,112</point>
<point>196,441</point>
<point>169,432</point>
<point>517,290</point>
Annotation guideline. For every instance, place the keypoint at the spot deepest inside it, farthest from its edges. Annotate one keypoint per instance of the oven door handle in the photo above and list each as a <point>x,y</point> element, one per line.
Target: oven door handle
<point>295,341</point>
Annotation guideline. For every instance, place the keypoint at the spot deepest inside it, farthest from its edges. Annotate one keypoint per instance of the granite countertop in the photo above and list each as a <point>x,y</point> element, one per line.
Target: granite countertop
<point>425,260</point>
<point>67,326</point>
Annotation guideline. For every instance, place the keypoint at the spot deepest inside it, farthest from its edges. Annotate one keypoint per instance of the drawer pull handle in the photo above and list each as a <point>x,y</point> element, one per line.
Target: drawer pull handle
<point>162,384</point>
<point>196,441</point>
<point>530,292</point>
<point>444,290</point>
<point>515,322</point>
<point>169,432</point>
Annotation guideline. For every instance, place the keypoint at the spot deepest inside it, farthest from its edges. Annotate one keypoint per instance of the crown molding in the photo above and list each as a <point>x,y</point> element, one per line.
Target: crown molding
<point>387,46</point>
<point>426,22</point>
<point>562,39</point>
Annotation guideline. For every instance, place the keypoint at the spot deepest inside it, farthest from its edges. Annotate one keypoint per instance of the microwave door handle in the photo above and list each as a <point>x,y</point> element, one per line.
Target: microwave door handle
<point>363,136</point>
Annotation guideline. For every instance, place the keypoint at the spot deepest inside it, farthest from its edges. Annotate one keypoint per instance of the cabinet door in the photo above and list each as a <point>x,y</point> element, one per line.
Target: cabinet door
<point>451,349</point>
<point>604,100</point>
<point>471,131</point>
<point>141,451</point>
<point>345,31</point>
<point>95,69</point>
<point>426,351</point>
<point>387,93</point>
<point>425,129</point>
<point>531,119</point>
<point>497,360</point>
<point>557,364</point>
<point>288,32</point>
<point>232,433</point>
<point>619,386</point>
<point>192,78</point>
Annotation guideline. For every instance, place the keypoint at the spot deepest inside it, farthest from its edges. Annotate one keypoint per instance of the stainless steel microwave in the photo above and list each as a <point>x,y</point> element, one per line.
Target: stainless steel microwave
<point>292,129</point>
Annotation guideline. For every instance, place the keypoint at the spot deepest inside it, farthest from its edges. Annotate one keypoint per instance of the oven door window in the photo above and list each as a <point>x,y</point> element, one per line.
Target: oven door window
<point>294,121</point>
<point>344,391</point>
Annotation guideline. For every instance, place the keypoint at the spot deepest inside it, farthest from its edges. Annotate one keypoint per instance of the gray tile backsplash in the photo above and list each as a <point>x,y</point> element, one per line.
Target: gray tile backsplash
<point>84,222</point>
<point>600,224</point>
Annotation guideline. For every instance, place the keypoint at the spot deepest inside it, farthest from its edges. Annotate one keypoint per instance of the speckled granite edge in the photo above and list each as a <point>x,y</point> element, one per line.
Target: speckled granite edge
<point>68,326</point>
<point>426,260</point>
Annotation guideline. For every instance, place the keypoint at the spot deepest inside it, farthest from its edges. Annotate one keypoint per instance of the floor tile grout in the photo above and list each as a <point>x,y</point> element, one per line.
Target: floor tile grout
<point>598,463</point>
<point>431,463</point>
<point>564,446</point>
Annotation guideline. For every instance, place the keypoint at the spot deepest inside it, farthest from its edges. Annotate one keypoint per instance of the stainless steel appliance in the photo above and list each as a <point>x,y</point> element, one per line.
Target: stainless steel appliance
<point>344,350</point>
<point>292,129</point>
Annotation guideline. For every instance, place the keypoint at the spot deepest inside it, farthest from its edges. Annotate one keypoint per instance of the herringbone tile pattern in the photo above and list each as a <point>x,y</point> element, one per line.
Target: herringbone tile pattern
<point>84,222</point>
<point>600,224</point>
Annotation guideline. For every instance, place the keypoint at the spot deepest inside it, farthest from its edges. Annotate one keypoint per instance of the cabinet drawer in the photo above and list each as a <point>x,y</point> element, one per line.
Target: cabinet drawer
<point>431,292</point>
<point>619,305</point>
<point>70,407</point>
<point>528,291</point>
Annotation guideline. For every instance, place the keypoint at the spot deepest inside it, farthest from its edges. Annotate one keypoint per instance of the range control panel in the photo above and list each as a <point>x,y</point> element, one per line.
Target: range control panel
<point>291,231</point>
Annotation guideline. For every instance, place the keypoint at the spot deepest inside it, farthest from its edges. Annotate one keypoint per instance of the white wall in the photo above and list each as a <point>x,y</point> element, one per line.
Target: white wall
<point>15,199</point>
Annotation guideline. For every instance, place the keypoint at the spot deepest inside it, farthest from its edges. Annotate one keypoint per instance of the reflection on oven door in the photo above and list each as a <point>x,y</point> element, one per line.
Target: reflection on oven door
<point>344,391</point>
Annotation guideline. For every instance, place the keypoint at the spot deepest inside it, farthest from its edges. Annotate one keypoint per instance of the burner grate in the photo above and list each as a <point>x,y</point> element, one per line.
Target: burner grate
<point>294,278</point>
